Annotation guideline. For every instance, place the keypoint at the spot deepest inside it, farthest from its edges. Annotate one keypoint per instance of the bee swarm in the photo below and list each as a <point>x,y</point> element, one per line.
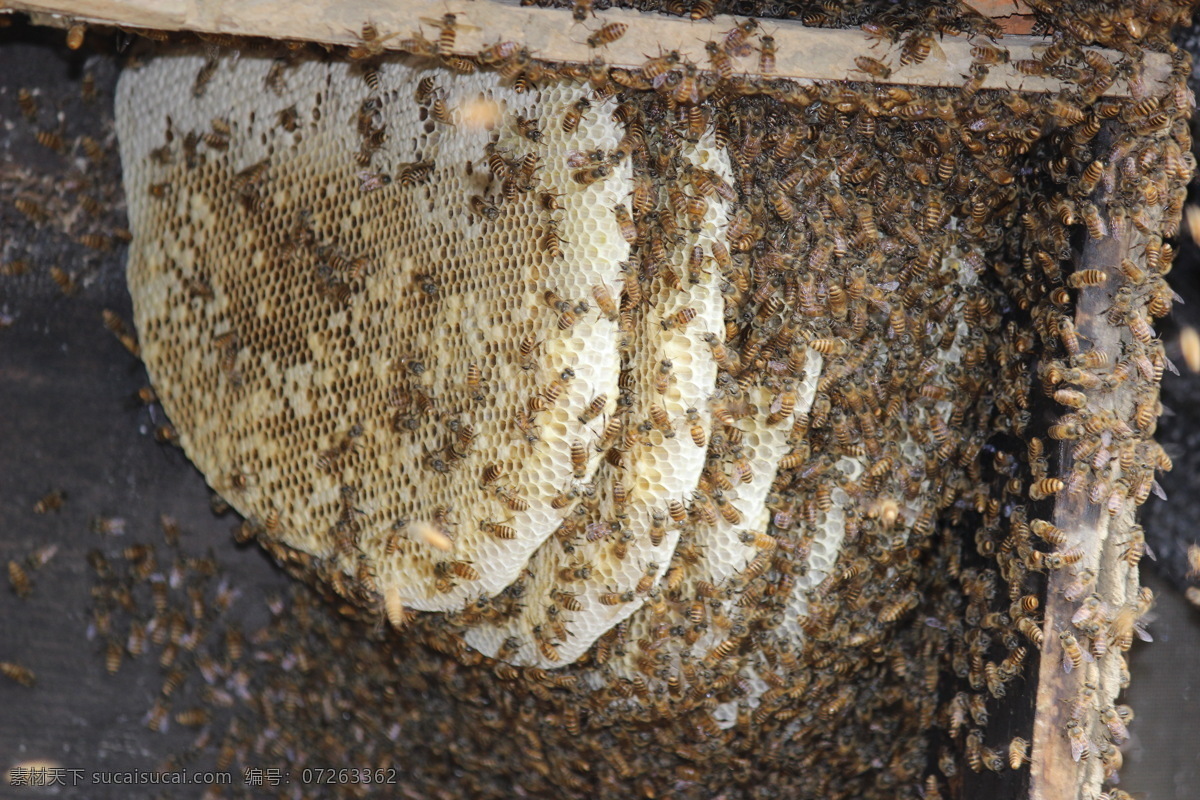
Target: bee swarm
<point>672,397</point>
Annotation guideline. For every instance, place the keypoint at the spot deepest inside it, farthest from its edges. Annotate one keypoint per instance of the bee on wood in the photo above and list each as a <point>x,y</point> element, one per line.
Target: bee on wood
<point>735,42</point>
<point>1080,744</point>
<point>1087,277</point>
<point>610,32</point>
<point>766,55</point>
<point>371,44</point>
<point>721,62</point>
<point>655,68</point>
<point>917,47</point>
<point>873,67</point>
<point>1031,630</point>
<point>1073,654</point>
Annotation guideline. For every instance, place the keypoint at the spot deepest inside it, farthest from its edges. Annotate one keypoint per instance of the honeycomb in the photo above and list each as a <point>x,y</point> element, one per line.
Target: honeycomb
<point>349,340</point>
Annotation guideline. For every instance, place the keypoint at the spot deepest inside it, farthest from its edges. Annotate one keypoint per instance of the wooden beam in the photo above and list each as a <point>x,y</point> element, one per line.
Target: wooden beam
<point>1056,774</point>
<point>553,35</point>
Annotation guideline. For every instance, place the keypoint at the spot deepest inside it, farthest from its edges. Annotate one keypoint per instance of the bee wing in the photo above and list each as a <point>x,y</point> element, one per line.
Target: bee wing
<point>1068,665</point>
<point>935,50</point>
<point>1078,748</point>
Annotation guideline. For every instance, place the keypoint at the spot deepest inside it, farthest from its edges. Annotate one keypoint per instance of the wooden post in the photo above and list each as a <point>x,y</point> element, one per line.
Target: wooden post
<point>1056,774</point>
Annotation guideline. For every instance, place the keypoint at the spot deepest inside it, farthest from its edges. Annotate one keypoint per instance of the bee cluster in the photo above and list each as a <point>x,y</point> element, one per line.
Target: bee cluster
<point>68,226</point>
<point>703,389</point>
<point>159,602</point>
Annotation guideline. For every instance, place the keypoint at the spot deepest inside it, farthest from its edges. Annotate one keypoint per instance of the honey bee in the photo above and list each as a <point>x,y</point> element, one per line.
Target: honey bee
<point>784,404</point>
<point>1048,532</point>
<point>616,598</point>
<point>51,501</point>
<point>721,62</point>
<point>552,245</point>
<point>372,181</point>
<point>917,47</point>
<point>646,582</point>
<point>484,208</point>
<point>658,416</point>
<point>575,114</point>
<point>662,376</point>
<point>27,103</point>
<point>766,55</point>
<point>1040,490</point>
<point>679,319</point>
<point>425,89</point>
<point>608,33</point>
<point>696,428</point>
<point>1031,630</point>
<point>371,44</point>
<point>35,211</point>
<point>1080,745</point>
<point>18,673</point>
<point>511,500</point>
<point>1087,277</point>
<point>629,230</point>
<point>135,645</point>
<point>1116,726</point>
<point>112,657</point>
<point>1073,654</point>
<point>579,459</point>
<point>440,112</point>
<point>1127,623</point>
<point>735,41</point>
<point>873,67</point>
<point>19,580</point>
<point>528,128</point>
<point>586,177</point>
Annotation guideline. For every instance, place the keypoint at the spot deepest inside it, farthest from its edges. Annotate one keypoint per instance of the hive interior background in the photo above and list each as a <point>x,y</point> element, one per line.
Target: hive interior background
<point>830,701</point>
